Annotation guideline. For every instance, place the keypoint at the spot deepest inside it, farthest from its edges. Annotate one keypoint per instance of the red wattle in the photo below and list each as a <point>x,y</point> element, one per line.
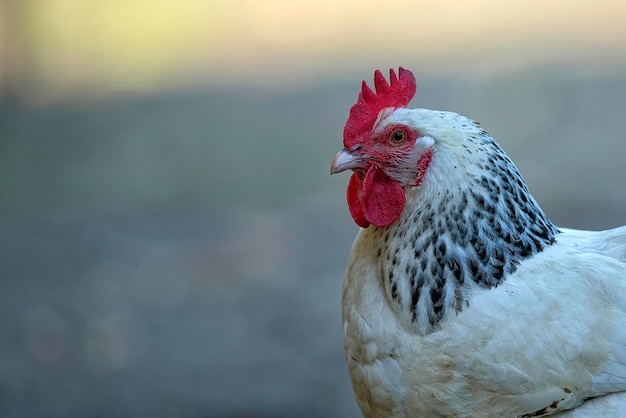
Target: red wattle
<point>377,199</point>
<point>354,202</point>
<point>382,198</point>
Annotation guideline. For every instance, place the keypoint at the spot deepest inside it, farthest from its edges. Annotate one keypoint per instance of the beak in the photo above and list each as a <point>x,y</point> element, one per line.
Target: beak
<point>344,160</point>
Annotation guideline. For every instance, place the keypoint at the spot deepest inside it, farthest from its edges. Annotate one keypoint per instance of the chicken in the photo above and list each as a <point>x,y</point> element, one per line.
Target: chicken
<point>461,298</point>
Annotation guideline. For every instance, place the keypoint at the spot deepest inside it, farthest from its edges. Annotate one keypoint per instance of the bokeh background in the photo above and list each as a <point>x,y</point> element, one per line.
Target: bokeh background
<point>171,244</point>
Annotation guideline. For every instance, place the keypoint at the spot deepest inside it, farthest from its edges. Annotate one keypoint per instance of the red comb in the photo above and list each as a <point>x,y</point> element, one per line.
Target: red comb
<point>397,93</point>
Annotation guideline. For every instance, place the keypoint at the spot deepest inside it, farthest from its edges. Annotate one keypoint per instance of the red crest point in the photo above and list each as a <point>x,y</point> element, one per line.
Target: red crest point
<point>363,114</point>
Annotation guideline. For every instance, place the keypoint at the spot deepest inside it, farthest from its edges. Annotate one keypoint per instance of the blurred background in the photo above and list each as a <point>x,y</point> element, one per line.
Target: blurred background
<point>171,244</point>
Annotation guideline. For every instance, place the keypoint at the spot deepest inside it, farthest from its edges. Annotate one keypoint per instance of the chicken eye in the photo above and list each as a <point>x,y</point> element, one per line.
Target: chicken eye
<point>398,137</point>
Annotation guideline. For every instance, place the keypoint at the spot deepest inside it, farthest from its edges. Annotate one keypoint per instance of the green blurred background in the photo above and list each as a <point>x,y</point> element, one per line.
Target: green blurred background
<point>171,244</point>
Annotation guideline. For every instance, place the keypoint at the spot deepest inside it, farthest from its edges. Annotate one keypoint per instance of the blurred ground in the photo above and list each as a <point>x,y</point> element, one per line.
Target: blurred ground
<point>182,254</point>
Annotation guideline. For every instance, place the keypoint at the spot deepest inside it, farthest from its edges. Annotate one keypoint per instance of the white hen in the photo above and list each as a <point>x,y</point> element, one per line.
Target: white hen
<point>461,298</point>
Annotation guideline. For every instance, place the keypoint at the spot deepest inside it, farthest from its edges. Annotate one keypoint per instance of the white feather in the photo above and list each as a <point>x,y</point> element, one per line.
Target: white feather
<point>552,334</point>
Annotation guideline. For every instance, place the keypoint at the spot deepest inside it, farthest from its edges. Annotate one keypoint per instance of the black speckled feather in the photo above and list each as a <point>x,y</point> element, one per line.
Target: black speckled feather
<point>472,234</point>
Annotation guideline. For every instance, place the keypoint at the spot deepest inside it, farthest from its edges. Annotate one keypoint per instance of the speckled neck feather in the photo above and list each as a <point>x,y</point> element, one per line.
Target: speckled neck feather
<point>467,237</point>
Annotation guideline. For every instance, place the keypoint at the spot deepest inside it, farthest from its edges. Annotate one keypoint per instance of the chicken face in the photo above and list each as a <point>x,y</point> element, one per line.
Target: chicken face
<point>381,151</point>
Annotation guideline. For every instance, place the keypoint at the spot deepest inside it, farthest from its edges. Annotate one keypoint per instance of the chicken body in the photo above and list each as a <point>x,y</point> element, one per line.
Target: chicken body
<point>550,336</point>
<point>471,303</point>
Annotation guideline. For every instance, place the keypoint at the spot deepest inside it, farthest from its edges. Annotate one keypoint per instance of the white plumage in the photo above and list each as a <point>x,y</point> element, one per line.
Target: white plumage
<point>472,303</point>
<point>553,333</point>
